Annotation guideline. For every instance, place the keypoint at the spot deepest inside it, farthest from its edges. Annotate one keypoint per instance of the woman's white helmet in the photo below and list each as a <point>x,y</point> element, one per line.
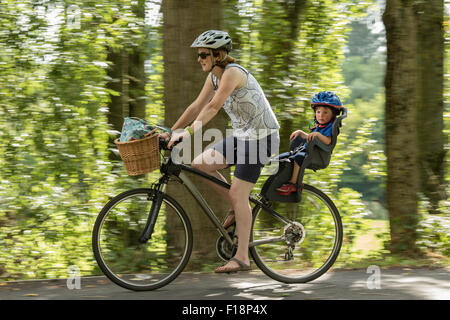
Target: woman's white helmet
<point>213,39</point>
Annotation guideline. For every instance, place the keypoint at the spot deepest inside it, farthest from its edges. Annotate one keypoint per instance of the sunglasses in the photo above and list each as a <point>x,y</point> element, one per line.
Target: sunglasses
<point>203,55</point>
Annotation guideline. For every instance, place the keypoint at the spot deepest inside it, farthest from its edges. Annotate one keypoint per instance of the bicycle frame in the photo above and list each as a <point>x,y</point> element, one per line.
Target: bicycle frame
<point>169,169</point>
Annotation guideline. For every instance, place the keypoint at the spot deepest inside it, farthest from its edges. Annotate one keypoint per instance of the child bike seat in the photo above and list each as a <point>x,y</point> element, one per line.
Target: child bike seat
<point>319,154</point>
<point>318,157</point>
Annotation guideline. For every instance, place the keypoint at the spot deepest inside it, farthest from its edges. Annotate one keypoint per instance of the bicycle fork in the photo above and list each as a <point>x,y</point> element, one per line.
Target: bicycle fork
<point>157,198</point>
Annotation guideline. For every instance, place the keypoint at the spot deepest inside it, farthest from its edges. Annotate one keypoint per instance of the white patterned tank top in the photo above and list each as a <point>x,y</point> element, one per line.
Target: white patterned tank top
<point>251,115</point>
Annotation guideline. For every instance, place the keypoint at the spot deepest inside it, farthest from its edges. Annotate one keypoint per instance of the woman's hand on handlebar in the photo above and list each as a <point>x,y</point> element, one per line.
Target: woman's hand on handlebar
<point>164,140</point>
<point>178,136</point>
<point>165,136</point>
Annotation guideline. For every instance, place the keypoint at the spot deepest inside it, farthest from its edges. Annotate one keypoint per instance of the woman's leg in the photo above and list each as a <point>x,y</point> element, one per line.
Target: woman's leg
<point>239,194</point>
<point>210,161</point>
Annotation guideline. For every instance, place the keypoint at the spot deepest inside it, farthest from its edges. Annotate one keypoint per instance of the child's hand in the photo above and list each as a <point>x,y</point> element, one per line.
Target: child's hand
<point>311,136</point>
<point>321,137</point>
<point>297,133</point>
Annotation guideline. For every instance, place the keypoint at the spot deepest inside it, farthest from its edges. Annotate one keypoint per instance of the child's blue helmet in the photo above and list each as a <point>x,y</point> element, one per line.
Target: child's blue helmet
<point>327,98</point>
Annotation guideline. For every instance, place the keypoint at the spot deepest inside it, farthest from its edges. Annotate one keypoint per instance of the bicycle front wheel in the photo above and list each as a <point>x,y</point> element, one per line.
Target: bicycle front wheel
<point>141,266</point>
<point>300,251</point>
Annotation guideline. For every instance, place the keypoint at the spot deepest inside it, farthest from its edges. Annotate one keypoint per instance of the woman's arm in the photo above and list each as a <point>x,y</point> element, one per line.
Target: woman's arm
<point>196,107</point>
<point>231,79</point>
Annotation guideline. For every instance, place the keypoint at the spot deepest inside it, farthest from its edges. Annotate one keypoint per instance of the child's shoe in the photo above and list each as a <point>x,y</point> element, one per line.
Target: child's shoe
<point>286,189</point>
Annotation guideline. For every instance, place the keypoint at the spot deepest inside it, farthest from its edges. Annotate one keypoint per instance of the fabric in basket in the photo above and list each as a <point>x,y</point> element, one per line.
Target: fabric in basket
<point>134,129</point>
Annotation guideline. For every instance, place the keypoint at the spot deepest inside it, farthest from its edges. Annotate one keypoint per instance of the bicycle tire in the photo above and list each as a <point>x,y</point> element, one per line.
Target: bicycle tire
<point>133,265</point>
<point>320,219</point>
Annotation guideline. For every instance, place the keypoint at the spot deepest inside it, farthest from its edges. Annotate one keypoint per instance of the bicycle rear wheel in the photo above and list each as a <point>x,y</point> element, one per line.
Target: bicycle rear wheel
<point>141,266</point>
<point>301,251</point>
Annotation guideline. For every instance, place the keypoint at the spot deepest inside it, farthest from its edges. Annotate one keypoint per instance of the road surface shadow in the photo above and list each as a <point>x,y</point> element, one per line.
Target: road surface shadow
<point>390,284</point>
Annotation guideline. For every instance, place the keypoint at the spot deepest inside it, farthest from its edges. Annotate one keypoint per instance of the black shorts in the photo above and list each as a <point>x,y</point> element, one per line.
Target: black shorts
<point>249,156</point>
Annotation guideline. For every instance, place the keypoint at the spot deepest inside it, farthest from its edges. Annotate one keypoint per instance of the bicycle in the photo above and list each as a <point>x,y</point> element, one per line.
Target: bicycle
<point>142,238</point>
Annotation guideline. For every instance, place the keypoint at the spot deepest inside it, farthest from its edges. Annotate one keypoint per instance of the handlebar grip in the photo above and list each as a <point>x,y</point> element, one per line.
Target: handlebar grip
<point>164,143</point>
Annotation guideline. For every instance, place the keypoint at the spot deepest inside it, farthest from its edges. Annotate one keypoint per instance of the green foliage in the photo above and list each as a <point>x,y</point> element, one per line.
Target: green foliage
<point>55,170</point>
<point>364,77</point>
<point>434,233</point>
<point>363,70</point>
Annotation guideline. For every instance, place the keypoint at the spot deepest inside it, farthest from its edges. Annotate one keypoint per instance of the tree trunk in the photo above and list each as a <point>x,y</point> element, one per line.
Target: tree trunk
<point>279,41</point>
<point>128,78</point>
<point>401,139</point>
<point>136,70</point>
<point>430,35</point>
<point>183,21</point>
<point>117,102</point>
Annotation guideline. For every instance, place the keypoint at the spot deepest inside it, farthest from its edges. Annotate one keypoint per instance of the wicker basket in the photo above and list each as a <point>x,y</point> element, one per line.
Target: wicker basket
<point>140,156</point>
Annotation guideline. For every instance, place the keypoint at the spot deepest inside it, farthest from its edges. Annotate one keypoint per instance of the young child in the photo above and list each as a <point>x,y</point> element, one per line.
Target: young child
<point>326,106</point>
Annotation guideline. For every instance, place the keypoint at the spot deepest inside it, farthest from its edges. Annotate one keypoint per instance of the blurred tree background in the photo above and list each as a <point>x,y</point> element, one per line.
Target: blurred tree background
<point>70,71</point>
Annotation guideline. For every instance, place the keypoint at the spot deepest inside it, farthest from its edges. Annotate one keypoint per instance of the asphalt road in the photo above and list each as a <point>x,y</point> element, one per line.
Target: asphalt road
<point>363,284</point>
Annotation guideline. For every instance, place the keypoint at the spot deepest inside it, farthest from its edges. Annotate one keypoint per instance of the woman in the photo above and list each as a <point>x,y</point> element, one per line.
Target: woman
<point>255,128</point>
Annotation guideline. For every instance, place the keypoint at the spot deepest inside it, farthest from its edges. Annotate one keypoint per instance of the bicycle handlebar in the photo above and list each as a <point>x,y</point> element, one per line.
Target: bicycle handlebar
<point>164,143</point>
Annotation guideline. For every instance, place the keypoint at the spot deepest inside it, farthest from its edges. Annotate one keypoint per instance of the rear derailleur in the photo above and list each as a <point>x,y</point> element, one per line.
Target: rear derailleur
<point>294,234</point>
